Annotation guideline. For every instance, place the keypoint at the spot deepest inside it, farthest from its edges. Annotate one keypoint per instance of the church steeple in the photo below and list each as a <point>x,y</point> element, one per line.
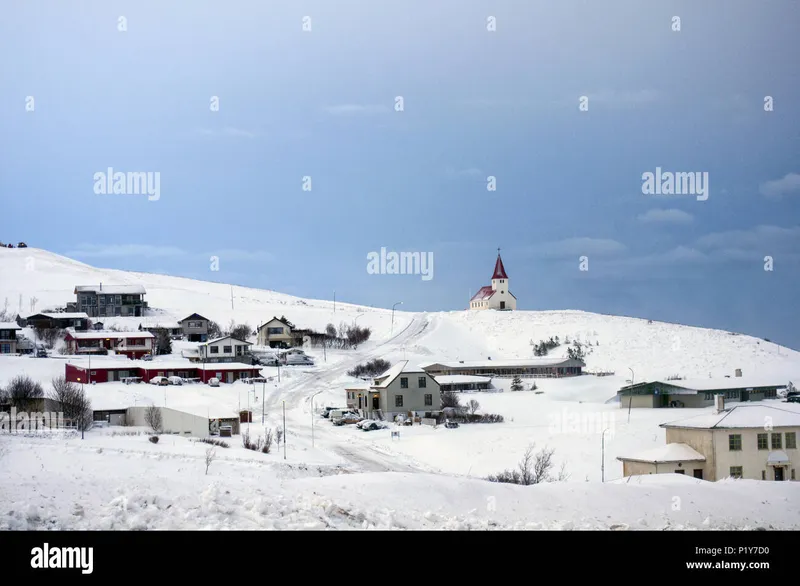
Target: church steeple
<point>499,269</point>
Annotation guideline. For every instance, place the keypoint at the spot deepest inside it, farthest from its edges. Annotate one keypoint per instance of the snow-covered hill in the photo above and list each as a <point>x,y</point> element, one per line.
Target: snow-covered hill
<point>617,343</point>
<point>424,471</point>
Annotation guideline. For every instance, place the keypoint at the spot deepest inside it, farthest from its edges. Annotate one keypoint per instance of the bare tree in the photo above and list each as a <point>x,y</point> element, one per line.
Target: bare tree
<point>267,445</point>
<point>240,332</point>
<point>23,392</point>
<point>49,336</point>
<point>330,330</point>
<point>210,455</point>
<point>152,417</point>
<point>450,399</point>
<point>73,403</point>
<point>214,331</point>
<point>278,436</point>
<point>473,406</point>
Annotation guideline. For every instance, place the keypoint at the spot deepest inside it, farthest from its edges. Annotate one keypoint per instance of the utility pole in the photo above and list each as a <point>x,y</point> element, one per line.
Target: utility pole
<point>603,456</point>
<point>312,417</point>
<point>334,301</point>
<point>630,396</point>
<point>263,393</point>
<point>284,430</point>
<point>231,296</point>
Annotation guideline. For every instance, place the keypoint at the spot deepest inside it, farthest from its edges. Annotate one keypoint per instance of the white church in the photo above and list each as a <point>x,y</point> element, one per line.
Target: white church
<point>496,295</point>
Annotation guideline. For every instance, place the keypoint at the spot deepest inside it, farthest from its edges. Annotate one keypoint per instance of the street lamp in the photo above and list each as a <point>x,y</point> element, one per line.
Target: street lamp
<point>393,306</point>
<point>630,396</point>
<point>603,456</point>
<point>312,417</point>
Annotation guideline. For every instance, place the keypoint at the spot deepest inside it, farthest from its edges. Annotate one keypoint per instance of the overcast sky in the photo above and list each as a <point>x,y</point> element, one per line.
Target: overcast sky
<point>476,103</point>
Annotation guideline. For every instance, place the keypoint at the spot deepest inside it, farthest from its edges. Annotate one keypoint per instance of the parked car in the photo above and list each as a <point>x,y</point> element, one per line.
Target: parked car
<point>793,399</point>
<point>298,359</point>
<point>347,419</point>
<point>213,382</point>
<point>41,353</point>
<point>268,360</point>
<point>326,412</point>
<point>371,425</point>
<point>450,424</point>
<point>161,381</point>
<point>175,380</point>
<point>22,245</point>
<point>147,357</point>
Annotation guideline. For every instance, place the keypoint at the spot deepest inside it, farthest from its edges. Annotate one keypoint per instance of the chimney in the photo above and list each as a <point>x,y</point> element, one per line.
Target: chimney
<point>738,372</point>
<point>719,403</point>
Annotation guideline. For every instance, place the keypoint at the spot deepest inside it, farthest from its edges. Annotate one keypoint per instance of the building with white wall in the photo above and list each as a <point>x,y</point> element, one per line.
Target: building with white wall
<point>497,295</point>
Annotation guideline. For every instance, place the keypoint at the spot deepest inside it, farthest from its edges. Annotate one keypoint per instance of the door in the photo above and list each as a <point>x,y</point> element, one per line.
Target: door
<point>502,305</point>
<point>698,473</point>
<point>376,402</point>
<point>359,401</point>
<point>230,377</point>
<point>778,473</point>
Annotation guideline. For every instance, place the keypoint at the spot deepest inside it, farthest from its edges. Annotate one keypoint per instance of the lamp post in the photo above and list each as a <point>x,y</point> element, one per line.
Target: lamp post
<point>630,396</point>
<point>603,456</point>
<point>393,306</point>
<point>312,417</point>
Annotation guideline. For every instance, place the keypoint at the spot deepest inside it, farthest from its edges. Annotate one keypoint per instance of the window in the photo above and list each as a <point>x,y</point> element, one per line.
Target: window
<point>102,300</point>
<point>194,324</point>
<point>763,444</point>
<point>422,382</point>
<point>398,400</point>
<point>214,349</point>
<point>792,473</point>
<point>118,300</point>
<point>226,349</point>
<point>709,396</point>
<point>770,394</point>
<point>735,442</point>
<point>776,441</point>
<point>736,472</point>
<point>680,471</point>
<point>404,382</point>
<point>428,400</point>
<point>791,440</point>
<point>273,331</point>
<point>763,475</point>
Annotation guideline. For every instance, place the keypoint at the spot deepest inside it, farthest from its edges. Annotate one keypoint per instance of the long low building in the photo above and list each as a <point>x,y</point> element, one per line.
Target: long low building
<point>463,382</point>
<point>131,344</point>
<point>118,370</point>
<point>544,367</point>
<point>695,392</point>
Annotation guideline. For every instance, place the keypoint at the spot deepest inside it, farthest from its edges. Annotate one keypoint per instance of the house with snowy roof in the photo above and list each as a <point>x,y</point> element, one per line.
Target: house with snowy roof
<point>754,441</point>
<point>111,300</point>
<point>495,296</point>
<point>402,390</point>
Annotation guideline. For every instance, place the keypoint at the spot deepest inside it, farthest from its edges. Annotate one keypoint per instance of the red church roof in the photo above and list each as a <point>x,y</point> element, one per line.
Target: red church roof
<point>499,269</point>
<point>483,293</point>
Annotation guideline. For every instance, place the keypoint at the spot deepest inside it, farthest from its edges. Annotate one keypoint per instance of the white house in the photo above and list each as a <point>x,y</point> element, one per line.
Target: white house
<point>496,295</point>
<point>276,334</point>
<point>749,440</point>
<point>225,349</point>
<point>401,390</point>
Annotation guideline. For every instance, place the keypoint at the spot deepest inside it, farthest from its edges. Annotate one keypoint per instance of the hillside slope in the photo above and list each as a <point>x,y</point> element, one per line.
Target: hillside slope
<point>618,344</point>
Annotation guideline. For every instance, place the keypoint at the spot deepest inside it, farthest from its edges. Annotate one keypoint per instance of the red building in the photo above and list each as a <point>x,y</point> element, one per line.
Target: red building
<point>132,344</point>
<point>106,372</point>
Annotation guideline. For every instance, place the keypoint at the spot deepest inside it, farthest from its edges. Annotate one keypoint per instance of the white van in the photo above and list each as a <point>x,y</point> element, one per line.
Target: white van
<point>298,359</point>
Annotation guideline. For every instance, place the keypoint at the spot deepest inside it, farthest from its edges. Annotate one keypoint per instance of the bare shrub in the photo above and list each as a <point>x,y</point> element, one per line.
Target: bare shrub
<point>330,331</point>
<point>49,336</point>
<point>371,369</point>
<point>450,399</point>
<point>153,439</point>
<point>267,445</point>
<point>210,455</point>
<point>534,468</point>
<point>213,442</point>
<point>153,419</point>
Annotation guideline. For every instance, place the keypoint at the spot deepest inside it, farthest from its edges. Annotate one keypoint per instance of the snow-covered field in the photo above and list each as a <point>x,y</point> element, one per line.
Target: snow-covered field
<point>343,477</point>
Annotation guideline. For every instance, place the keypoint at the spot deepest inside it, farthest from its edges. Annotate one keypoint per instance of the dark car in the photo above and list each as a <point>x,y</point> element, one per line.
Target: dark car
<point>22,245</point>
<point>793,399</point>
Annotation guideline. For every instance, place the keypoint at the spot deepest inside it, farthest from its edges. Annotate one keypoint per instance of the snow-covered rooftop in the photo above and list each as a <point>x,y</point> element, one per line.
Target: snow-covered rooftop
<point>743,416</point>
<point>103,334</point>
<point>62,315</point>
<point>111,289</point>
<point>675,452</point>
<point>9,325</point>
<point>156,365</point>
<point>506,363</point>
<point>712,384</point>
<point>387,377</point>
<point>456,379</point>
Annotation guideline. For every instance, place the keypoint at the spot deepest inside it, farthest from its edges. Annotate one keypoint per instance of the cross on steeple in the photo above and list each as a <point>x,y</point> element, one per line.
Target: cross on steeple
<point>498,251</point>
